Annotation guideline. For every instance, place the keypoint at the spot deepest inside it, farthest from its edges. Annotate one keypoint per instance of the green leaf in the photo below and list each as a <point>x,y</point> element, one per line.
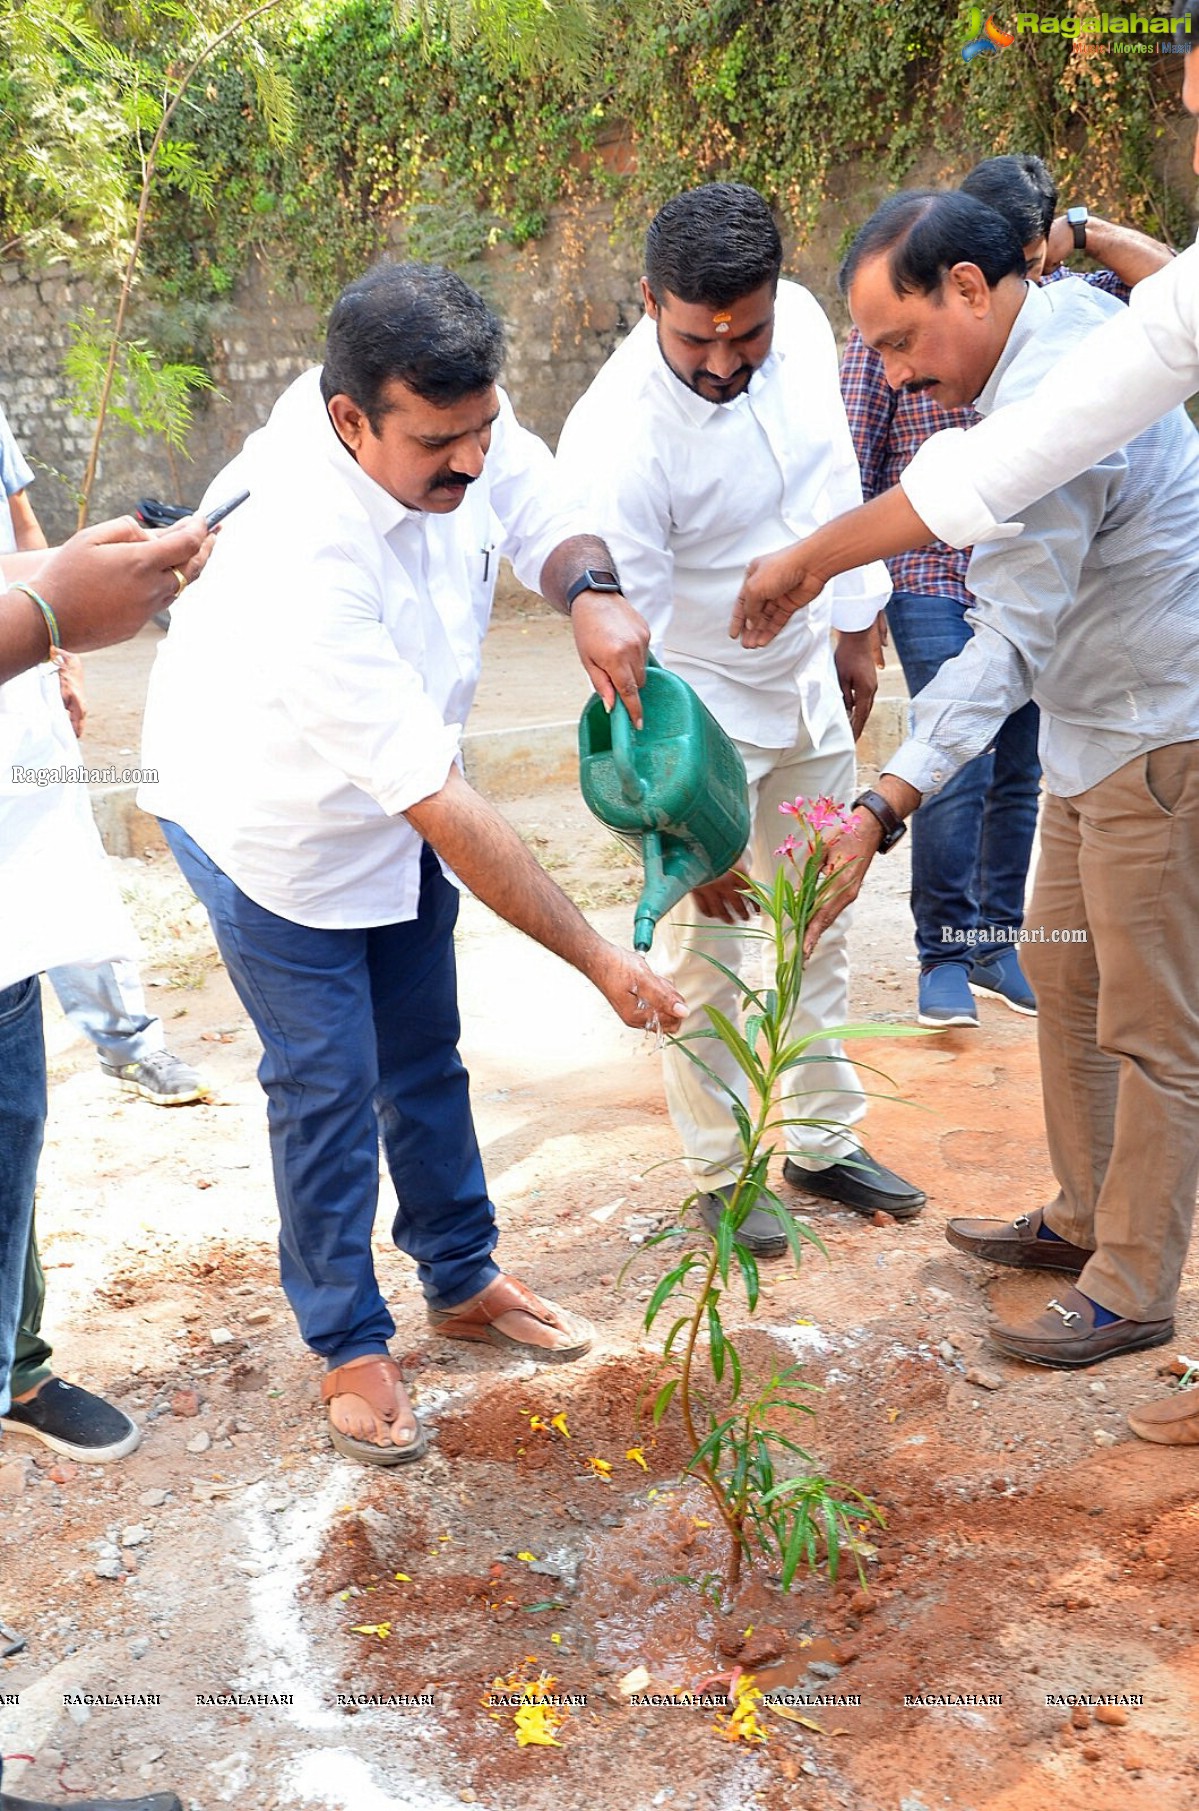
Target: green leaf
<point>662,1400</point>
<point>666,1287</point>
<point>684,1320</point>
<point>749,1273</point>
<point>715,1338</point>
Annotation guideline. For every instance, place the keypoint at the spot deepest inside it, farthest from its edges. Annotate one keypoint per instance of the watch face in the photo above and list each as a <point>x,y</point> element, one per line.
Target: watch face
<point>600,579</point>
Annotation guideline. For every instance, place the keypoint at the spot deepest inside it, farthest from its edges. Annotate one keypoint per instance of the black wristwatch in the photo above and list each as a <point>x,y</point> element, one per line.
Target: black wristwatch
<point>1078,218</point>
<point>892,824</point>
<point>595,578</point>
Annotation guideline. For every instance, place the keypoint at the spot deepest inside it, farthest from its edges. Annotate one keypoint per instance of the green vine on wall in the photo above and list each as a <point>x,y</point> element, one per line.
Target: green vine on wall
<point>406,134</point>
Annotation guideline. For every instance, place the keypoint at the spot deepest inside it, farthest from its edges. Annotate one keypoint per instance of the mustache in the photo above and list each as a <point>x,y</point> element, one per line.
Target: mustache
<point>450,477</point>
<point>917,384</point>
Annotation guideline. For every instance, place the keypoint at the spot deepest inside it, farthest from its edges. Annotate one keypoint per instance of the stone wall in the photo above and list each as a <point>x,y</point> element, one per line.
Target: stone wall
<point>567,300</point>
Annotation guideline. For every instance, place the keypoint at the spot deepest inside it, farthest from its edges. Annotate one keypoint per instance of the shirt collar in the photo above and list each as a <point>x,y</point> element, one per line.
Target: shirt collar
<point>1034,311</point>
<point>696,409</point>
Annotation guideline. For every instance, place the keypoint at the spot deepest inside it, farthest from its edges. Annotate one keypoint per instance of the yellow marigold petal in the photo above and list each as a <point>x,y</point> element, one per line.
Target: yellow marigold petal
<point>637,1456</point>
<point>559,1422</point>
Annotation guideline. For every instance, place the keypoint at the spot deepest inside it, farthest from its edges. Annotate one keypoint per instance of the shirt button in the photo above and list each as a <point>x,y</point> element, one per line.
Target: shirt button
<point>938,773</point>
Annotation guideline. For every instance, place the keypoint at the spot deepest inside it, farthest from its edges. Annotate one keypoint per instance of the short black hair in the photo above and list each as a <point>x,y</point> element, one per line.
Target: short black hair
<point>926,232</point>
<point>1020,188</point>
<point>713,245</point>
<point>417,322</point>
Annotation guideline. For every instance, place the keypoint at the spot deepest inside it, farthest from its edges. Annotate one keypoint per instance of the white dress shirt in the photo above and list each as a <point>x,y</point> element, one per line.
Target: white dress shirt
<point>686,492</point>
<point>317,676</point>
<point>1094,610</point>
<point>1141,363</point>
<point>59,902</point>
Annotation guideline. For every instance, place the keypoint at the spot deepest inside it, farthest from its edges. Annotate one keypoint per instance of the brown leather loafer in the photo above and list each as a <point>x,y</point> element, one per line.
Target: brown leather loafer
<point>1066,1336</point>
<point>1016,1242</point>
<point>1171,1420</point>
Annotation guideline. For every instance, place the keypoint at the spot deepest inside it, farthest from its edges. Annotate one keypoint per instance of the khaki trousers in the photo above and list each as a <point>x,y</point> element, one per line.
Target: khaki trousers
<point>1118,1023</point>
<point>827,1087</point>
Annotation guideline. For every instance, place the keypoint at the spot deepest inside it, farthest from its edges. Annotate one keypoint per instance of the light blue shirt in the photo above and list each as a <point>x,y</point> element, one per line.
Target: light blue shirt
<point>1093,611</point>
<point>15,476</point>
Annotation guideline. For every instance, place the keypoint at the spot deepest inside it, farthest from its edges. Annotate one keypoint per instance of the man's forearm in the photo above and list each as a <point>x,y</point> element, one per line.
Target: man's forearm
<point>885,526</point>
<point>1132,255</point>
<point>568,562</point>
<point>488,856</point>
<point>24,637</point>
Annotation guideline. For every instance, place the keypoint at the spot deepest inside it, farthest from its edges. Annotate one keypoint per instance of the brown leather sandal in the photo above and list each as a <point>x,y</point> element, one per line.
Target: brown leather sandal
<point>374,1379</point>
<point>506,1295</point>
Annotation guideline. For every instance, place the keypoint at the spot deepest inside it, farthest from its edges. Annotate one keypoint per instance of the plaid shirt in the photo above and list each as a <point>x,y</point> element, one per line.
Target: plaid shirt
<point>888,425</point>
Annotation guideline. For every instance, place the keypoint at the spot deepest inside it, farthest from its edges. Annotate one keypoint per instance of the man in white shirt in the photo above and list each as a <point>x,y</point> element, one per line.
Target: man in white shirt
<point>709,436</point>
<point>1094,612</point>
<point>304,719</point>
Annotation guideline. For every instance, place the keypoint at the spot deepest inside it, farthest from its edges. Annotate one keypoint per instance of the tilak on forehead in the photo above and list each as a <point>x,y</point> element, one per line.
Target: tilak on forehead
<point>721,321</point>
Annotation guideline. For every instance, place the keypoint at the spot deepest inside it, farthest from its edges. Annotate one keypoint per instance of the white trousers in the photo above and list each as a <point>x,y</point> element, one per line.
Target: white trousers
<point>826,1088</point>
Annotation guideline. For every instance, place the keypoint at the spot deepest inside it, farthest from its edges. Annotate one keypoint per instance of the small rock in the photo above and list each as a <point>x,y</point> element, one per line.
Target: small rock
<point>108,1568</point>
<point>257,1317</point>
<point>139,1647</point>
<point>879,1218</point>
<point>844,1655</point>
<point>984,1380</point>
<point>12,1478</point>
<point>200,1443</point>
<point>607,1280</point>
<point>62,1472</point>
<point>1092,1754</point>
<point>1114,1715</point>
<point>468,1797</point>
<point>862,1603</point>
<point>152,1499</point>
<point>947,1350</point>
<point>134,1535</point>
<point>763,1648</point>
<point>220,1336</point>
<point>823,1669</point>
<point>185,1403</point>
<point>1080,1717</point>
<point>1097,1388</point>
<point>1157,1549</point>
<point>1103,1436</point>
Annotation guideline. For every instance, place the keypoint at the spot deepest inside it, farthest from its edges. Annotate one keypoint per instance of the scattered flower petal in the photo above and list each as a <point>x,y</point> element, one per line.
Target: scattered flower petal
<point>559,1421</point>
<point>637,1456</point>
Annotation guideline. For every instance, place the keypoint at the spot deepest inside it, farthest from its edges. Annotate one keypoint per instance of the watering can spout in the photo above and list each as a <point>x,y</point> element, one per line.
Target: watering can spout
<point>654,900</point>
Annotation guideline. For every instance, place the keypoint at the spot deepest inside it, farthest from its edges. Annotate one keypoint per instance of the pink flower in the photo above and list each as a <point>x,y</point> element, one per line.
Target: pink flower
<point>787,846</point>
<point>817,815</point>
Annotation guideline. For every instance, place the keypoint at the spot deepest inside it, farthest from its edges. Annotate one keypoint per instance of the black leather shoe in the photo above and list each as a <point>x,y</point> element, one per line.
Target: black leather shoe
<point>157,1801</point>
<point>759,1232</point>
<point>859,1183</point>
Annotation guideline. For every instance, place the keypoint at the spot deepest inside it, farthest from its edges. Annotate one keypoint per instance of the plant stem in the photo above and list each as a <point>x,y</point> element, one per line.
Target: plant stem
<point>736,1539</point>
<point>149,169</point>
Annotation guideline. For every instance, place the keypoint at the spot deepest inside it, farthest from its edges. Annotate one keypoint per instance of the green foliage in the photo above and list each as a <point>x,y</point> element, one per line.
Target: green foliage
<point>742,1432</point>
<point>150,395</point>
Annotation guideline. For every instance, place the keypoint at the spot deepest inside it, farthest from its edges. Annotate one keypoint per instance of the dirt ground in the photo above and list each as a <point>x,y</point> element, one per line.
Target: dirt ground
<point>1032,1550</point>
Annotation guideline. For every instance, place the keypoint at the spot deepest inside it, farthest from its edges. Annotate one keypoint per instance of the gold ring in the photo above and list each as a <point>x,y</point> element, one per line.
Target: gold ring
<point>180,582</point>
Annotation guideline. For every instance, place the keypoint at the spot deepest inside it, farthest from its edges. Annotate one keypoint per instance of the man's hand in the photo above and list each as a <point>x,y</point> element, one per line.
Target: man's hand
<point>71,688</point>
<point>1059,244</point>
<point>856,657</point>
<point>725,899</point>
<point>635,993</point>
<point>775,586</point>
<point>847,855</point>
<point>107,581</point>
<point>612,640</point>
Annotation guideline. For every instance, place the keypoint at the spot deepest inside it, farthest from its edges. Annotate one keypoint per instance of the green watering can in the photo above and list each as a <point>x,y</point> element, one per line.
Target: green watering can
<point>675,791</point>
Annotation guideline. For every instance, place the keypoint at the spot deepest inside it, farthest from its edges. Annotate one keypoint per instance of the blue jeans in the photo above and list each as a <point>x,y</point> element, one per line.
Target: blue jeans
<point>360,1040</point>
<point>105,1000</point>
<point>22,1125</point>
<point>972,841</point>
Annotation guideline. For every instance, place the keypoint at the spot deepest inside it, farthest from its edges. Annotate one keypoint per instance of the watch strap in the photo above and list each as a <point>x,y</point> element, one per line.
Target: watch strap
<point>1078,218</point>
<point>893,826</point>
<point>594,578</point>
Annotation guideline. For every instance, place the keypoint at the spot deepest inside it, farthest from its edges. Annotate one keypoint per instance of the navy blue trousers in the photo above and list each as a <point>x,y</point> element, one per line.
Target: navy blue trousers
<point>359,1032</point>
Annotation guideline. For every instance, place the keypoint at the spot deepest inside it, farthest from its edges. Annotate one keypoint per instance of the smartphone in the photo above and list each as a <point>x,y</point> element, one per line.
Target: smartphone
<point>225,509</point>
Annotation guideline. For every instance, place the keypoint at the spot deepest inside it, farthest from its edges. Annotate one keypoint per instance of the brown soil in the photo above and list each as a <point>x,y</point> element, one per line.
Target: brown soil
<point>1020,1556</point>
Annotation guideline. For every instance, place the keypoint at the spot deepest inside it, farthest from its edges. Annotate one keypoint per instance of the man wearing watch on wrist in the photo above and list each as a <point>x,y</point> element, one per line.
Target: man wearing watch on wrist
<point>1094,613</point>
<point>713,427</point>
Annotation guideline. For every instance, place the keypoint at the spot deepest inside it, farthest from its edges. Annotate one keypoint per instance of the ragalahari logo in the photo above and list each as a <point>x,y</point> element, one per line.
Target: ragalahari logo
<point>984,40</point>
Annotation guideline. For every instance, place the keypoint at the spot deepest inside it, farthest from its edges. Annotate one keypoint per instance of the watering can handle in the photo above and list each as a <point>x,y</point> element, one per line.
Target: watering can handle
<point>631,783</point>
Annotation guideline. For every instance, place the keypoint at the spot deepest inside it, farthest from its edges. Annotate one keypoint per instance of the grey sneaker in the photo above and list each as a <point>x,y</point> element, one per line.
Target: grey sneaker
<point>160,1077</point>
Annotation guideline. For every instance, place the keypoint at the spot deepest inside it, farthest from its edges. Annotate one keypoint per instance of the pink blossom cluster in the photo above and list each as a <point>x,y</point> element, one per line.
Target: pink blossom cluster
<point>815,817</point>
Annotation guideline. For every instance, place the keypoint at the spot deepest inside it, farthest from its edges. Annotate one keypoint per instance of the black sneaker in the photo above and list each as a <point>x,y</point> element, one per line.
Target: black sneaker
<point>165,1079</point>
<point>72,1421</point>
<point>157,1801</point>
